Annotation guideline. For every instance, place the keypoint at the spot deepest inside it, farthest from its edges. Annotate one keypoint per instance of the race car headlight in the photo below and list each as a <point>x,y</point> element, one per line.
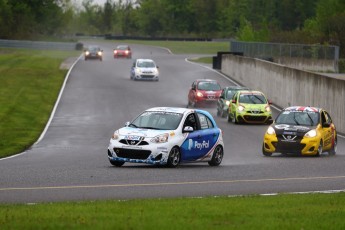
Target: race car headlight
<point>268,108</point>
<point>199,94</point>
<point>99,53</point>
<point>87,52</point>
<point>270,131</point>
<point>240,108</point>
<point>227,102</point>
<point>115,136</point>
<point>311,133</point>
<point>160,138</point>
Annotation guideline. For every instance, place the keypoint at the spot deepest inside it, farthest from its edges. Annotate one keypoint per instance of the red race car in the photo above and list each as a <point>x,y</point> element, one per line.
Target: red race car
<point>204,91</point>
<point>123,51</point>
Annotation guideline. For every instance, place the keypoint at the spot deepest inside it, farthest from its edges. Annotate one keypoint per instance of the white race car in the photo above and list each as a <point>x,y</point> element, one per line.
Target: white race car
<point>168,136</point>
<point>144,69</point>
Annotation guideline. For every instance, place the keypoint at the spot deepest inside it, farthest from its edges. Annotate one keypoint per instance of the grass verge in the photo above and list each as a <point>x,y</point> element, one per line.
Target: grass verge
<point>186,47</point>
<point>313,211</point>
<point>30,83</point>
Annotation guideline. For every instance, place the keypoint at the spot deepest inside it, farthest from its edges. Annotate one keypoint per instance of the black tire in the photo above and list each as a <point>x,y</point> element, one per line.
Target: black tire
<point>116,163</point>
<point>174,157</point>
<point>223,114</point>
<point>217,156</point>
<point>218,112</point>
<point>319,149</point>
<point>265,153</point>
<point>229,118</point>
<point>333,150</point>
<point>234,120</point>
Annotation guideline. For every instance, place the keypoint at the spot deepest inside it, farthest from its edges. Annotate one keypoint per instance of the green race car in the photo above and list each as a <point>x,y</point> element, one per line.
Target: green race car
<point>225,98</point>
<point>250,107</point>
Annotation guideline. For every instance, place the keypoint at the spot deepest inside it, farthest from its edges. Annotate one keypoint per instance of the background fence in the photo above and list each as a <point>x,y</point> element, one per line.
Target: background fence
<point>39,45</point>
<point>284,53</point>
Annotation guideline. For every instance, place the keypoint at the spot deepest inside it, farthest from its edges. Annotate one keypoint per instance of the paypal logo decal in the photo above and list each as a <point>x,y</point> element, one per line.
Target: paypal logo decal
<point>198,145</point>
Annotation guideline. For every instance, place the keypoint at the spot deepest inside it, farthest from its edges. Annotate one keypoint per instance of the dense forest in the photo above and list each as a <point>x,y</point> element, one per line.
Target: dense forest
<point>290,21</point>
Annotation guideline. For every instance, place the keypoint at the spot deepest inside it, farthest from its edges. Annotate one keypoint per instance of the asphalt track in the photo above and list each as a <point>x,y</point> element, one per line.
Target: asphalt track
<point>69,163</point>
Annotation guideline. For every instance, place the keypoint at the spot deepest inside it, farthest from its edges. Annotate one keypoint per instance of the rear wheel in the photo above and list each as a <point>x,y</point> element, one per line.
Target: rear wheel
<point>217,156</point>
<point>333,150</point>
<point>174,157</point>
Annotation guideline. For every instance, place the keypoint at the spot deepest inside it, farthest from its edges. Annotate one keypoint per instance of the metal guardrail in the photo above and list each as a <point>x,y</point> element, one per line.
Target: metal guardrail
<point>38,45</point>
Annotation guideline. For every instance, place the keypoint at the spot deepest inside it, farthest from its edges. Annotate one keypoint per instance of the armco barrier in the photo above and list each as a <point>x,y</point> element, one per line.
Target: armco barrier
<point>38,45</point>
<point>287,86</point>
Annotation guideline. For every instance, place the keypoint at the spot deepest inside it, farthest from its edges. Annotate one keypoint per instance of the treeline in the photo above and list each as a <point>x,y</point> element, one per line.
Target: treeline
<point>292,21</point>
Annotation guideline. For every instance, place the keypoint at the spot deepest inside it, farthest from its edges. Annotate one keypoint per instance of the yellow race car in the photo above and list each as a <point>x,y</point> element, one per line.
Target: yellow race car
<point>301,130</point>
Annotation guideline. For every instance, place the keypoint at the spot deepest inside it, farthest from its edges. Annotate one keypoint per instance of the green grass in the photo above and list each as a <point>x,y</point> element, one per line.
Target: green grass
<point>185,47</point>
<point>314,211</point>
<point>30,81</point>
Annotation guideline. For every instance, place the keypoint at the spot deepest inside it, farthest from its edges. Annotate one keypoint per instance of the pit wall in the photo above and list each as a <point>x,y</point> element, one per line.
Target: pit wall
<point>286,86</point>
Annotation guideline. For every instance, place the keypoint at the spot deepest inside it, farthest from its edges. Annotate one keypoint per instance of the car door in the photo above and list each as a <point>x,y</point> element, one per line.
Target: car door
<point>220,102</point>
<point>327,130</point>
<point>199,143</point>
<point>233,105</point>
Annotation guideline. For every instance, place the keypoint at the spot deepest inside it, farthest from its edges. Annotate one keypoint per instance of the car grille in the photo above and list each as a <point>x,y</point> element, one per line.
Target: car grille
<point>255,112</point>
<point>147,76</point>
<point>133,142</point>
<point>255,118</point>
<point>293,146</point>
<point>138,154</point>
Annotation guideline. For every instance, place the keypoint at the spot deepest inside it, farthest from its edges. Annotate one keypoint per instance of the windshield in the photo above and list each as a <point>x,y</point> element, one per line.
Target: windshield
<point>252,99</point>
<point>209,86</point>
<point>146,64</point>
<point>122,48</point>
<point>157,120</point>
<point>298,118</point>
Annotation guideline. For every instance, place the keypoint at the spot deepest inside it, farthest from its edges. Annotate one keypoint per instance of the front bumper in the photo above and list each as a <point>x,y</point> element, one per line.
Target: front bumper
<point>146,77</point>
<point>150,154</point>
<point>250,117</point>
<point>302,146</point>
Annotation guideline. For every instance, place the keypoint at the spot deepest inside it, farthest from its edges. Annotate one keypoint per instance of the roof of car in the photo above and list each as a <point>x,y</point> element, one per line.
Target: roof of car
<point>210,80</point>
<point>237,87</point>
<point>170,109</point>
<point>250,92</point>
<point>302,109</point>
<point>144,59</point>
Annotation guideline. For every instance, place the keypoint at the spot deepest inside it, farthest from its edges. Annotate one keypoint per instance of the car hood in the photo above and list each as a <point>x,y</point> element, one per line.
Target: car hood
<point>139,132</point>
<point>284,128</point>
<point>254,106</point>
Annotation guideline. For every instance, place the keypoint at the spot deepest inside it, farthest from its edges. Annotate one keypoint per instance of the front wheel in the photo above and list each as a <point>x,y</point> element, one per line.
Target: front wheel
<point>174,157</point>
<point>116,163</point>
<point>264,152</point>
<point>217,156</point>
<point>319,149</point>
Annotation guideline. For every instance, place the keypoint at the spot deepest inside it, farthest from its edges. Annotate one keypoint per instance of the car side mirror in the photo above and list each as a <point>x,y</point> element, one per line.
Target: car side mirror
<point>127,124</point>
<point>233,101</point>
<point>269,102</point>
<point>188,129</point>
<point>326,124</point>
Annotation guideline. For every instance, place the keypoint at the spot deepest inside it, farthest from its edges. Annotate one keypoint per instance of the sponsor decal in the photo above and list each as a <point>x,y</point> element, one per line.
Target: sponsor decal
<point>198,145</point>
<point>132,138</point>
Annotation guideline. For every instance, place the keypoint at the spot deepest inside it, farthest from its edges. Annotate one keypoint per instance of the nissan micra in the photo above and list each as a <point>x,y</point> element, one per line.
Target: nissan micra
<point>168,136</point>
<point>301,130</point>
